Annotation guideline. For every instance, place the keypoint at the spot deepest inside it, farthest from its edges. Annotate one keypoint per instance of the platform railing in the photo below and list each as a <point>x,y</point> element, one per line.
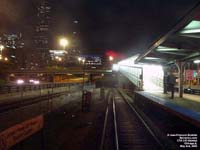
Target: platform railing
<point>134,74</point>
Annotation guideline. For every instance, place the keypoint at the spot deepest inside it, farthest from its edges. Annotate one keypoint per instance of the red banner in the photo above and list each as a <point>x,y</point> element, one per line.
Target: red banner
<point>19,132</point>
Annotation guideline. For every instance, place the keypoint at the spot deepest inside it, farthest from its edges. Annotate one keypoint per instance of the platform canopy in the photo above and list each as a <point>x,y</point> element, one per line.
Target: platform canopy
<point>181,43</point>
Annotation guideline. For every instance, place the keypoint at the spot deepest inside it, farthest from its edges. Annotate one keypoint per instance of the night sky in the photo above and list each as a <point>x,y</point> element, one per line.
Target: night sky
<point>126,26</point>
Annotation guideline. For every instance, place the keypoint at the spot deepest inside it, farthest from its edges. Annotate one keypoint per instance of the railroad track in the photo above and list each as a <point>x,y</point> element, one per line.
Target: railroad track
<point>130,130</point>
<point>27,101</point>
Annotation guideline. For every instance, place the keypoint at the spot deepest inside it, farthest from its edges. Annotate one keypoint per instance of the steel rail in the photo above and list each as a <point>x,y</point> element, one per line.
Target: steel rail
<point>115,126</point>
<point>143,122</point>
<point>104,129</point>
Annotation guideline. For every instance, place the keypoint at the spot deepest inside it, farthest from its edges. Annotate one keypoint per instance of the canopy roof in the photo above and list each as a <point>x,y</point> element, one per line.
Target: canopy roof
<point>181,43</point>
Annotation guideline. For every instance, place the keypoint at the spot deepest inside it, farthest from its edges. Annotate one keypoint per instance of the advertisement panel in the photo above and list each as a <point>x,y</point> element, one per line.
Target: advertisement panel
<point>189,74</point>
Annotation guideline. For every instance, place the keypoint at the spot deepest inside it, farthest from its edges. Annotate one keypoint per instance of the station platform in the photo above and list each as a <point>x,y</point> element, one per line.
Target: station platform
<point>188,107</point>
<point>188,101</point>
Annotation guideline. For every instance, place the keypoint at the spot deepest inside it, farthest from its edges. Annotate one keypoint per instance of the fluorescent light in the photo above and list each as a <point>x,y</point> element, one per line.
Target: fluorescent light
<point>151,58</point>
<point>20,81</point>
<point>191,31</point>
<point>163,48</point>
<point>129,61</point>
<point>115,67</point>
<point>196,61</point>
<point>192,27</point>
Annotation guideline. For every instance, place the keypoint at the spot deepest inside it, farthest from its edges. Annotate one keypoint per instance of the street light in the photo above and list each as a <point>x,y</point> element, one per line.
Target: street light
<point>1,48</point>
<point>111,58</point>
<point>83,60</point>
<point>79,59</point>
<point>64,42</point>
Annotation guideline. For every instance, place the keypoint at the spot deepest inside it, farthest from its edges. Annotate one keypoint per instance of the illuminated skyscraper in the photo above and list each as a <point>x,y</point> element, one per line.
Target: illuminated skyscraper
<point>42,34</point>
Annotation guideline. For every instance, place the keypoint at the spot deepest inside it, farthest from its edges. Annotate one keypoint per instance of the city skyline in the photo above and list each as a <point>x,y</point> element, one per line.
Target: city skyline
<point>102,26</point>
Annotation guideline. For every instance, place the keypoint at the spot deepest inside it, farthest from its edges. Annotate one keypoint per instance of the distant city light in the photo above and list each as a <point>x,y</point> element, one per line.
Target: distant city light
<point>20,81</point>
<point>1,47</point>
<point>59,59</point>
<point>75,21</point>
<point>31,80</point>
<point>58,52</point>
<point>79,58</point>
<point>197,61</point>
<point>6,59</point>
<point>36,82</point>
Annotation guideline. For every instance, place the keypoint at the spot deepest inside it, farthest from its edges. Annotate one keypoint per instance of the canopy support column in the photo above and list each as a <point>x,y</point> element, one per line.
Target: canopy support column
<point>180,66</point>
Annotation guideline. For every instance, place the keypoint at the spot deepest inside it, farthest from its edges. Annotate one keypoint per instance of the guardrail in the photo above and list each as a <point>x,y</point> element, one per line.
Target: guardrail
<point>30,87</point>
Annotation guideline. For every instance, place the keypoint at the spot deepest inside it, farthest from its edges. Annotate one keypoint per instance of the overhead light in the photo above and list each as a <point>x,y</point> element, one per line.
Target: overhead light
<point>196,61</point>
<point>163,48</point>
<point>115,67</point>
<point>151,58</point>
<point>20,81</point>
<point>191,31</point>
<point>129,61</point>
<point>192,27</point>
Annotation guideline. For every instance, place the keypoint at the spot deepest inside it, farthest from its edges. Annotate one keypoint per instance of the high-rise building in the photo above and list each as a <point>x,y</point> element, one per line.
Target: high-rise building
<point>13,45</point>
<point>65,57</point>
<point>42,34</point>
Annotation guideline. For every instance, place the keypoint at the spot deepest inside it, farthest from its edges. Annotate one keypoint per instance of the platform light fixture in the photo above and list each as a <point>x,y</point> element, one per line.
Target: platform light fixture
<point>163,48</point>
<point>151,58</point>
<point>197,61</point>
<point>192,27</point>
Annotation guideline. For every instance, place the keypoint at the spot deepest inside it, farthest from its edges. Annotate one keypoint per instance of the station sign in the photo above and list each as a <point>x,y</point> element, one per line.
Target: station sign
<point>20,132</point>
